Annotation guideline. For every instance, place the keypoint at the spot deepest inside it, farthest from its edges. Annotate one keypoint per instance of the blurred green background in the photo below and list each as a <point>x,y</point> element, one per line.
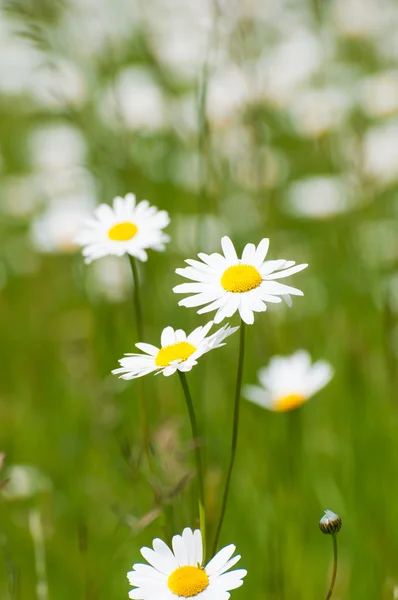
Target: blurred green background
<point>248,118</point>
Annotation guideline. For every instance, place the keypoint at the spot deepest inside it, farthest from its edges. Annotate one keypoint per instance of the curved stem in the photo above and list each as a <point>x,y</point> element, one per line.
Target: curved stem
<point>330,592</point>
<point>235,431</point>
<point>198,458</point>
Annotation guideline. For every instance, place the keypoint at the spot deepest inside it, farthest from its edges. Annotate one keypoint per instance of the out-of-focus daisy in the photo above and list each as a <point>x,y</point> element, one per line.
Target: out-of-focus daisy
<point>229,284</point>
<point>177,352</point>
<point>179,573</point>
<point>127,228</point>
<point>289,381</point>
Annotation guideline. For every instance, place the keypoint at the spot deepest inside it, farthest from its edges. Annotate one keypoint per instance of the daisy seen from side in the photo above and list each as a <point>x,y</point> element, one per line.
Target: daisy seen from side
<point>126,227</point>
<point>178,351</point>
<point>179,572</point>
<point>227,284</point>
<point>289,381</point>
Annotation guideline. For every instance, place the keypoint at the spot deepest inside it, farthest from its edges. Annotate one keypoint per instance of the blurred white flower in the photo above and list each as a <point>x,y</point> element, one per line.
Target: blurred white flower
<point>125,228</point>
<point>358,18</point>
<point>380,94</point>
<point>228,93</point>
<point>56,229</point>
<point>57,84</point>
<point>316,111</point>
<point>18,59</point>
<point>318,197</point>
<point>135,101</point>
<point>178,352</point>
<point>289,381</point>
<point>56,147</point>
<point>284,69</point>
<point>24,481</point>
<point>179,34</point>
<point>380,152</point>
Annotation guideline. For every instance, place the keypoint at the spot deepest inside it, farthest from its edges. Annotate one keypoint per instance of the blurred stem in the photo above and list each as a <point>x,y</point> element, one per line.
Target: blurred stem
<point>36,532</point>
<point>198,458</point>
<point>330,592</point>
<point>137,301</point>
<point>140,334</point>
<point>235,431</point>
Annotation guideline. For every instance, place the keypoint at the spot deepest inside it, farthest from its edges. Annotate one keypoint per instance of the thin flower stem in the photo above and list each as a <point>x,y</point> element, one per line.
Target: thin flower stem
<point>330,592</point>
<point>137,302</point>
<point>235,431</point>
<point>198,458</point>
<point>140,334</point>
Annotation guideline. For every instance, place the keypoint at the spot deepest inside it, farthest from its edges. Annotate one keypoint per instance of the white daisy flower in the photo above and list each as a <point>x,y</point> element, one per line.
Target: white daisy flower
<point>127,228</point>
<point>229,284</point>
<point>177,352</point>
<point>289,381</point>
<point>179,573</point>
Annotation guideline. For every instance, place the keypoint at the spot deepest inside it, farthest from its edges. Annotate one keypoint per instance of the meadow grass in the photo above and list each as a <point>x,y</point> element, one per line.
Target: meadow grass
<point>63,413</point>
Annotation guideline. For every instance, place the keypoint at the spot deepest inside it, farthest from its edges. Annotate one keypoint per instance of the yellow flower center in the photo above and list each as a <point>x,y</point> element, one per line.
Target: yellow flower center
<point>188,581</point>
<point>180,351</point>
<point>241,278</point>
<point>122,232</point>
<point>289,402</point>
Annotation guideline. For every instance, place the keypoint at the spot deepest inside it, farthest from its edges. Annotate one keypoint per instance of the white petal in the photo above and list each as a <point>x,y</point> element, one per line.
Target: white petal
<point>148,348</point>
<point>270,266</point>
<point>216,261</point>
<point>200,299</point>
<point>189,542</point>
<point>180,335</point>
<point>232,580</point>
<point>228,249</point>
<point>279,289</point>
<point>258,395</point>
<point>261,252</point>
<point>246,315</point>
<point>249,254</point>
<point>156,560</point>
<point>167,338</point>
<point>286,272</point>
<point>219,560</point>
<point>180,551</point>
<point>228,565</point>
<point>198,547</point>
<point>162,549</point>
<point>320,375</point>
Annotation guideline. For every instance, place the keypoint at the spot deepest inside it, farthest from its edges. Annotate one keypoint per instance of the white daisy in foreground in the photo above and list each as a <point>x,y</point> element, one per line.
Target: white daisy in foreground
<point>179,573</point>
<point>289,381</point>
<point>177,352</point>
<point>229,284</point>
<point>127,228</point>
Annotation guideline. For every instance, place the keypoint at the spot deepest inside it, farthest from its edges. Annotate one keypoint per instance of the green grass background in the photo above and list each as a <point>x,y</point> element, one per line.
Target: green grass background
<point>62,412</point>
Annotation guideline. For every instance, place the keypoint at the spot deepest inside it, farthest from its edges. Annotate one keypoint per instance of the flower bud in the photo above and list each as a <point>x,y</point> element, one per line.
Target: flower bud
<point>330,523</point>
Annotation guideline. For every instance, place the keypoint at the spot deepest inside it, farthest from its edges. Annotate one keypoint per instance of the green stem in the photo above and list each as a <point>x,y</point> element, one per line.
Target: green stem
<point>198,458</point>
<point>235,431</point>
<point>330,592</point>
<point>137,302</point>
<point>140,334</point>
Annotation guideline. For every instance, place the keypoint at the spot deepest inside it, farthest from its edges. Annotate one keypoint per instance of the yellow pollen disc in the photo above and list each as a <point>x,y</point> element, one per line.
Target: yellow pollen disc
<point>240,278</point>
<point>122,232</point>
<point>289,402</point>
<point>188,581</point>
<point>180,351</point>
